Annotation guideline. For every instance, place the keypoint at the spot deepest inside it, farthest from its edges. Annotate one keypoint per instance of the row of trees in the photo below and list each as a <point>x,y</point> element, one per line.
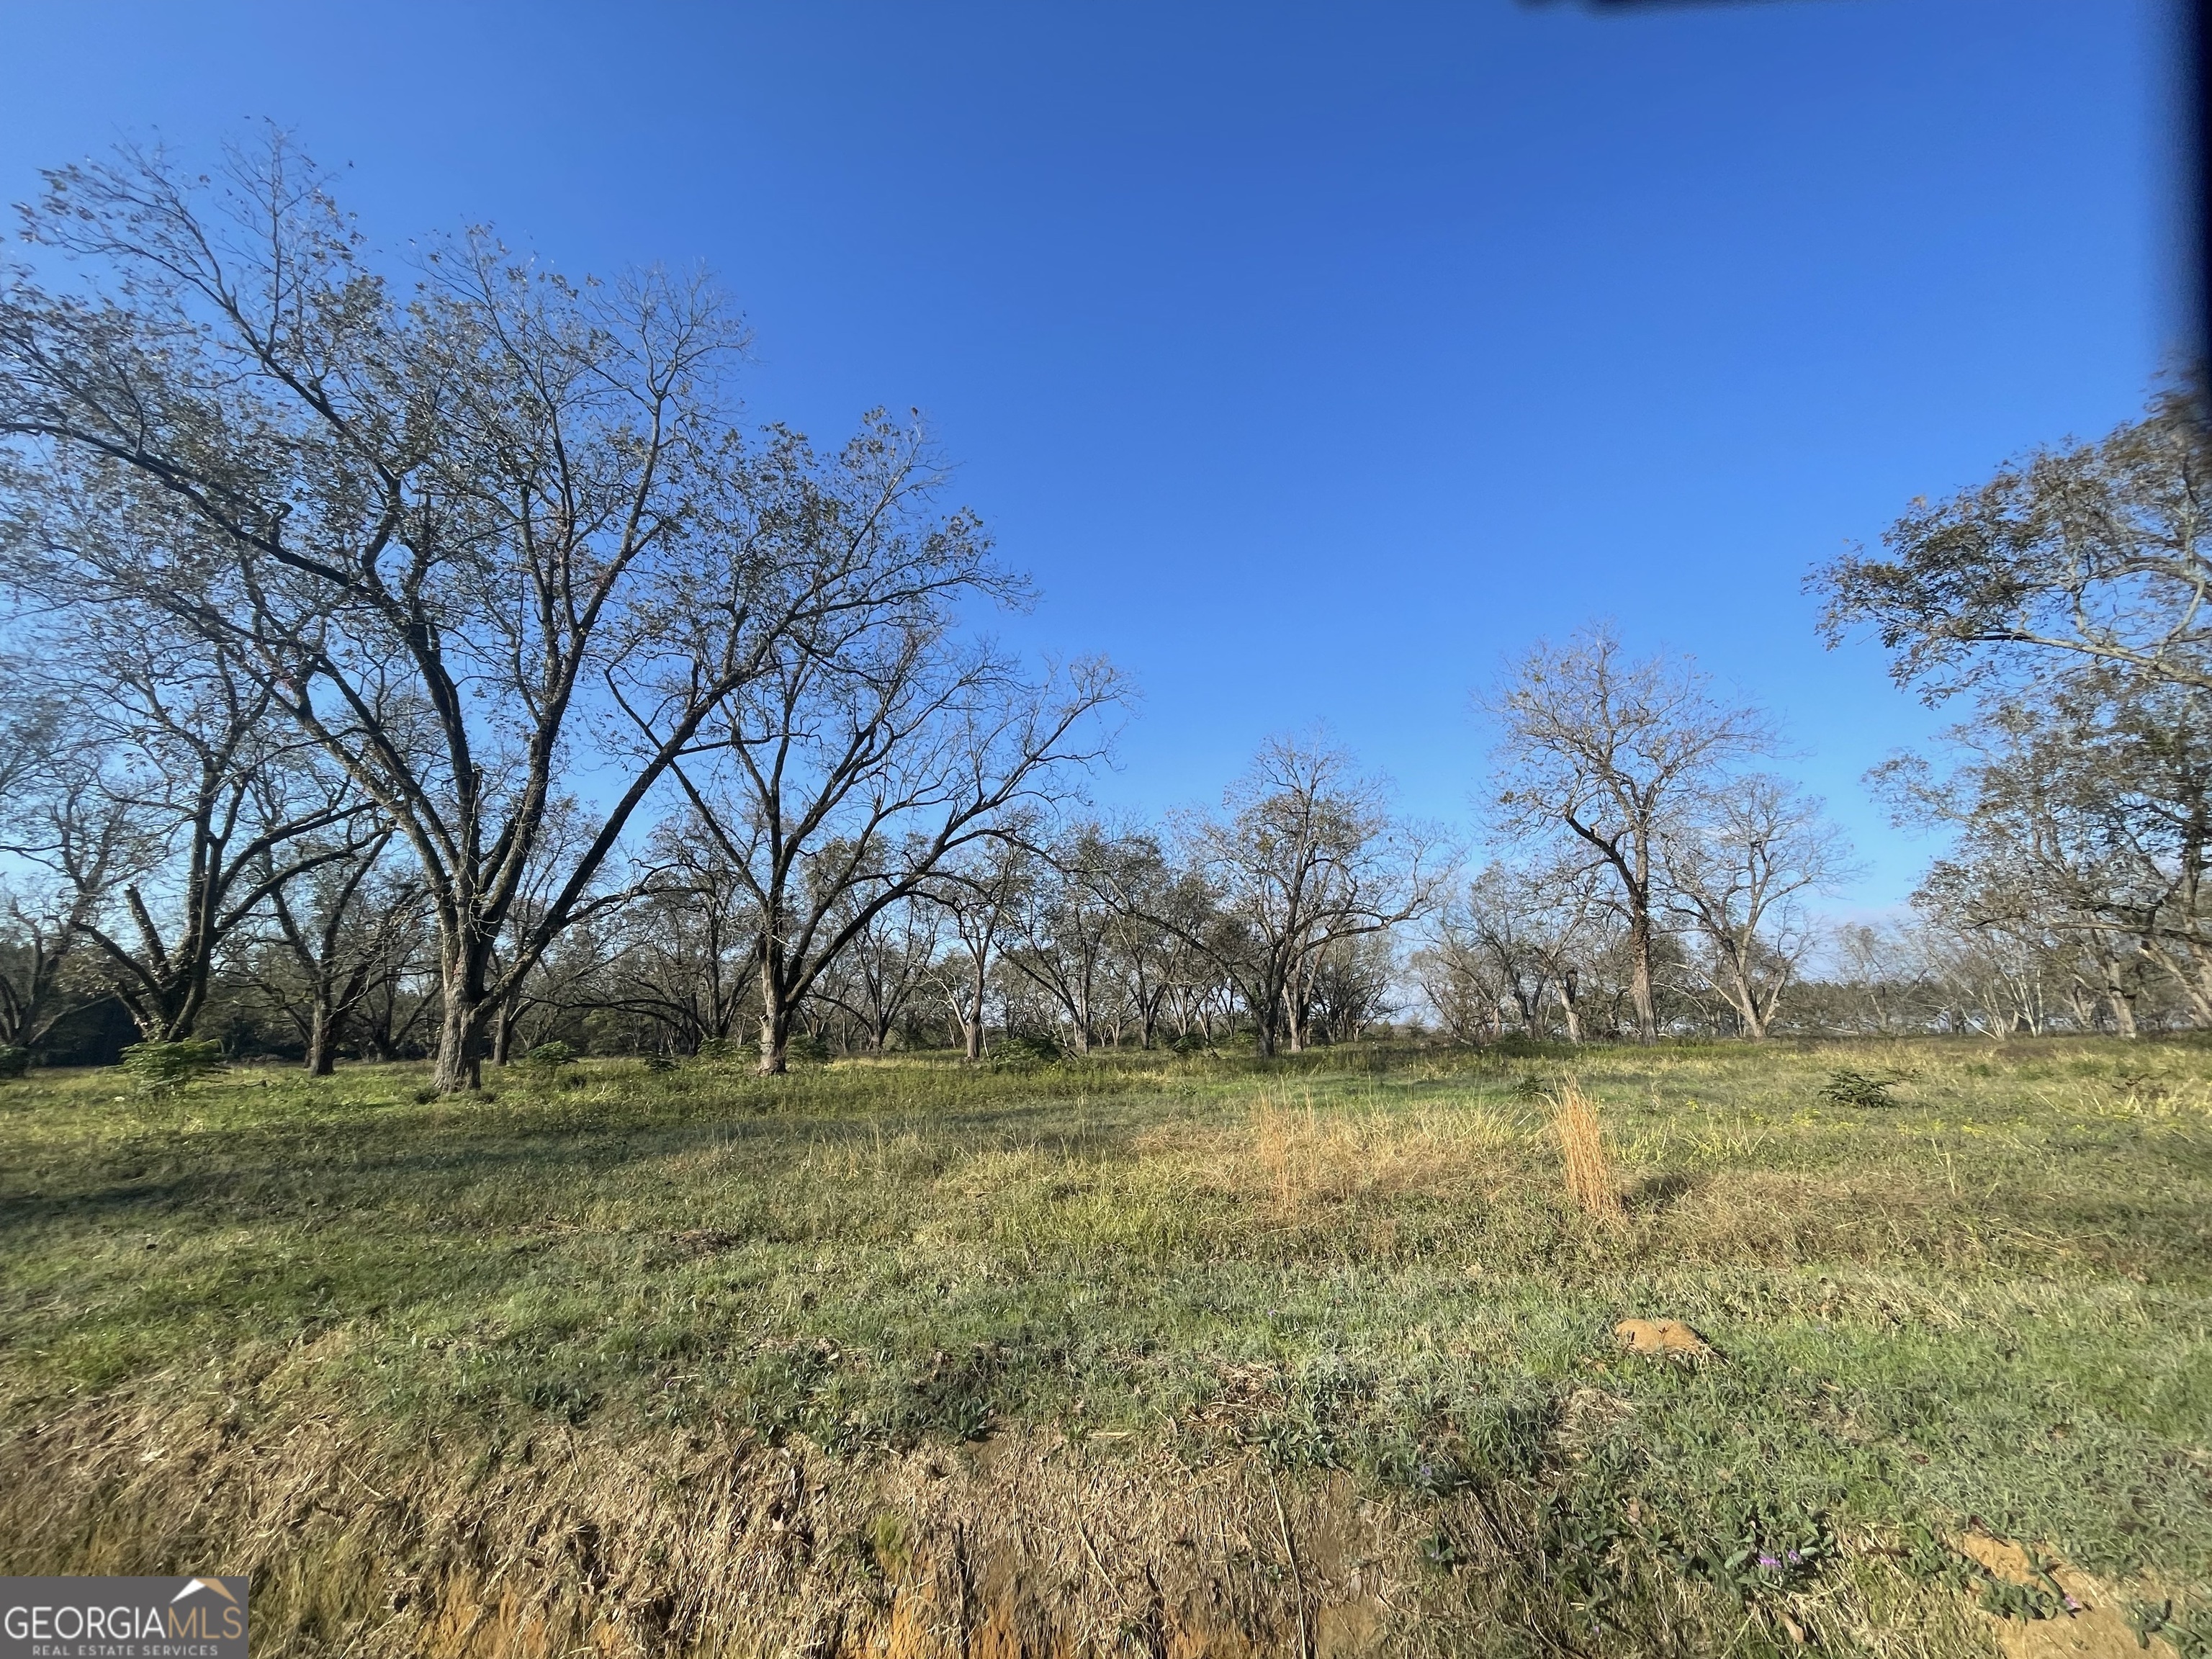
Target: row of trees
<point>309,568</point>
<point>438,666</point>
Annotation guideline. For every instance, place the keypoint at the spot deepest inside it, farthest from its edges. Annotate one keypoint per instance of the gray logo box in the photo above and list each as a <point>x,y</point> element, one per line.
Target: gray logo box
<point>121,1619</point>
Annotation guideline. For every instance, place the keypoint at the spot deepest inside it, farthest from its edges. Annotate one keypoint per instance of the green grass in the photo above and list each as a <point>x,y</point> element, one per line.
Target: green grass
<point>1990,1299</point>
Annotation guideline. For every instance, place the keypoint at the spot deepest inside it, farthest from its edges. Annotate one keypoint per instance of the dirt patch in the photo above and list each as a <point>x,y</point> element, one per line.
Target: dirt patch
<point>2091,1629</point>
<point>1661,1339</point>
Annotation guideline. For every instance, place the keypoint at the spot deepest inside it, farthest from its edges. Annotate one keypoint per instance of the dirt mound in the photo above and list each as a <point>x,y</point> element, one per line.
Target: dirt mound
<point>1661,1339</point>
<point>2092,1628</point>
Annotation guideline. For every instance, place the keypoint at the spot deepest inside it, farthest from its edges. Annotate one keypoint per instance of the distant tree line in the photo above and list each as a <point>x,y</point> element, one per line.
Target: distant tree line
<point>441,669</point>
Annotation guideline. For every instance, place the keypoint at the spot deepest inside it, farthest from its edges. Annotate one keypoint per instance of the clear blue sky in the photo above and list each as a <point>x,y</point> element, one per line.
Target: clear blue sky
<point>1310,358</point>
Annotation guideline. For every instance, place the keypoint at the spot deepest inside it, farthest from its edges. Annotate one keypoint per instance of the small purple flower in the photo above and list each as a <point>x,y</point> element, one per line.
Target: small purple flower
<point>1770,1563</point>
<point>1796,1560</point>
<point>2072,1606</point>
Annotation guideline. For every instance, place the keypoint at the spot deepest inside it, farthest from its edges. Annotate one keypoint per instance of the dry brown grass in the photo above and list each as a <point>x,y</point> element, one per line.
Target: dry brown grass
<point>1028,1546</point>
<point>1593,1185</point>
<point>1304,1156</point>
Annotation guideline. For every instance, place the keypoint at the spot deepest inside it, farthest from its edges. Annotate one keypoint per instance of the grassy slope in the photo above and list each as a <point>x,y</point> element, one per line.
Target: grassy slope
<point>1991,1300</point>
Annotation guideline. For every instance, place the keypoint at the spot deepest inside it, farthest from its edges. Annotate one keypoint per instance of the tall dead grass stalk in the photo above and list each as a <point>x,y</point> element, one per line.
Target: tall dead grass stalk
<point>1592,1184</point>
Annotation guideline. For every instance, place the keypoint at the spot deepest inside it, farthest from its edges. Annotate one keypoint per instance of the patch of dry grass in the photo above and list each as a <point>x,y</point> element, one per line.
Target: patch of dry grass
<point>1593,1184</point>
<point>1303,1157</point>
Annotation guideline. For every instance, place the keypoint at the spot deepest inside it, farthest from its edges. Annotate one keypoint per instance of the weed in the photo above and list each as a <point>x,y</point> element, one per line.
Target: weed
<point>2149,1618</point>
<point>1929,1560</point>
<point>1023,1052</point>
<point>1442,1551</point>
<point>1593,1186</point>
<point>890,1543</point>
<point>1849,1088</point>
<point>1753,1551</point>
<point>163,1068</point>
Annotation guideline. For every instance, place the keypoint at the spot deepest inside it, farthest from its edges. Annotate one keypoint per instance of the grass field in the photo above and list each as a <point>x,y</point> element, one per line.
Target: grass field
<point>1143,1354</point>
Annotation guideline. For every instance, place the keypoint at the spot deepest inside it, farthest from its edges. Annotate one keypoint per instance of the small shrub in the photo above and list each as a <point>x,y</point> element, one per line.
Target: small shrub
<point>726,1048</point>
<point>1188,1043</point>
<point>805,1049</point>
<point>889,1544</point>
<point>550,1056</point>
<point>2149,1618</point>
<point>659,1063</point>
<point>1528,1086</point>
<point>1025,1052</point>
<point>162,1068</point>
<point>1757,1552</point>
<point>14,1061</point>
<point>1592,1185</point>
<point>1849,1088</point>
<point>1442,1551</point>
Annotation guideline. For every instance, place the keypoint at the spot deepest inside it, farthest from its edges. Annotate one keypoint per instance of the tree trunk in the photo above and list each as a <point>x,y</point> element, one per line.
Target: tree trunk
<point>322,1041</point>
<point>460,1044</point>
<point>2122,1004</point>
<point>460,1035</point>
<point>775,1011</point>
<point>775,1040</point>
<point>973,1030</point>
<point>1639,981</point>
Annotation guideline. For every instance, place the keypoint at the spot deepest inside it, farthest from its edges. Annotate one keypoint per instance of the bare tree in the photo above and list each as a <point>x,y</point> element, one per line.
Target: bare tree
<point>1458,985</point>
<point>1882,971</point>
<point>183,806</point>
<point>337,934</point>
<point>1308,856</point>
<point>427,529</point>
<point>1066,925</point>
<point>1349,989</point>
<point>1738,863</point>
<point>2085,813</point>
<point>885,968</point>
<point>688,959</point>
<point>980,889</point>
<point>870,741</point>
<point>54,818</point>
<point>1597,752</point>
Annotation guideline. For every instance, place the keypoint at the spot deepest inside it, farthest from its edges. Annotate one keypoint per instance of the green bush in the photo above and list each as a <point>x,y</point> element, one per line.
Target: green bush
<point>160,1068</point>
<point>726,1049</point>
<point>1848,1088</point>
<point>14,1061</point>
<point>1024,1052</point>
<point>1517,1045</point>
<point>550,1056</point>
